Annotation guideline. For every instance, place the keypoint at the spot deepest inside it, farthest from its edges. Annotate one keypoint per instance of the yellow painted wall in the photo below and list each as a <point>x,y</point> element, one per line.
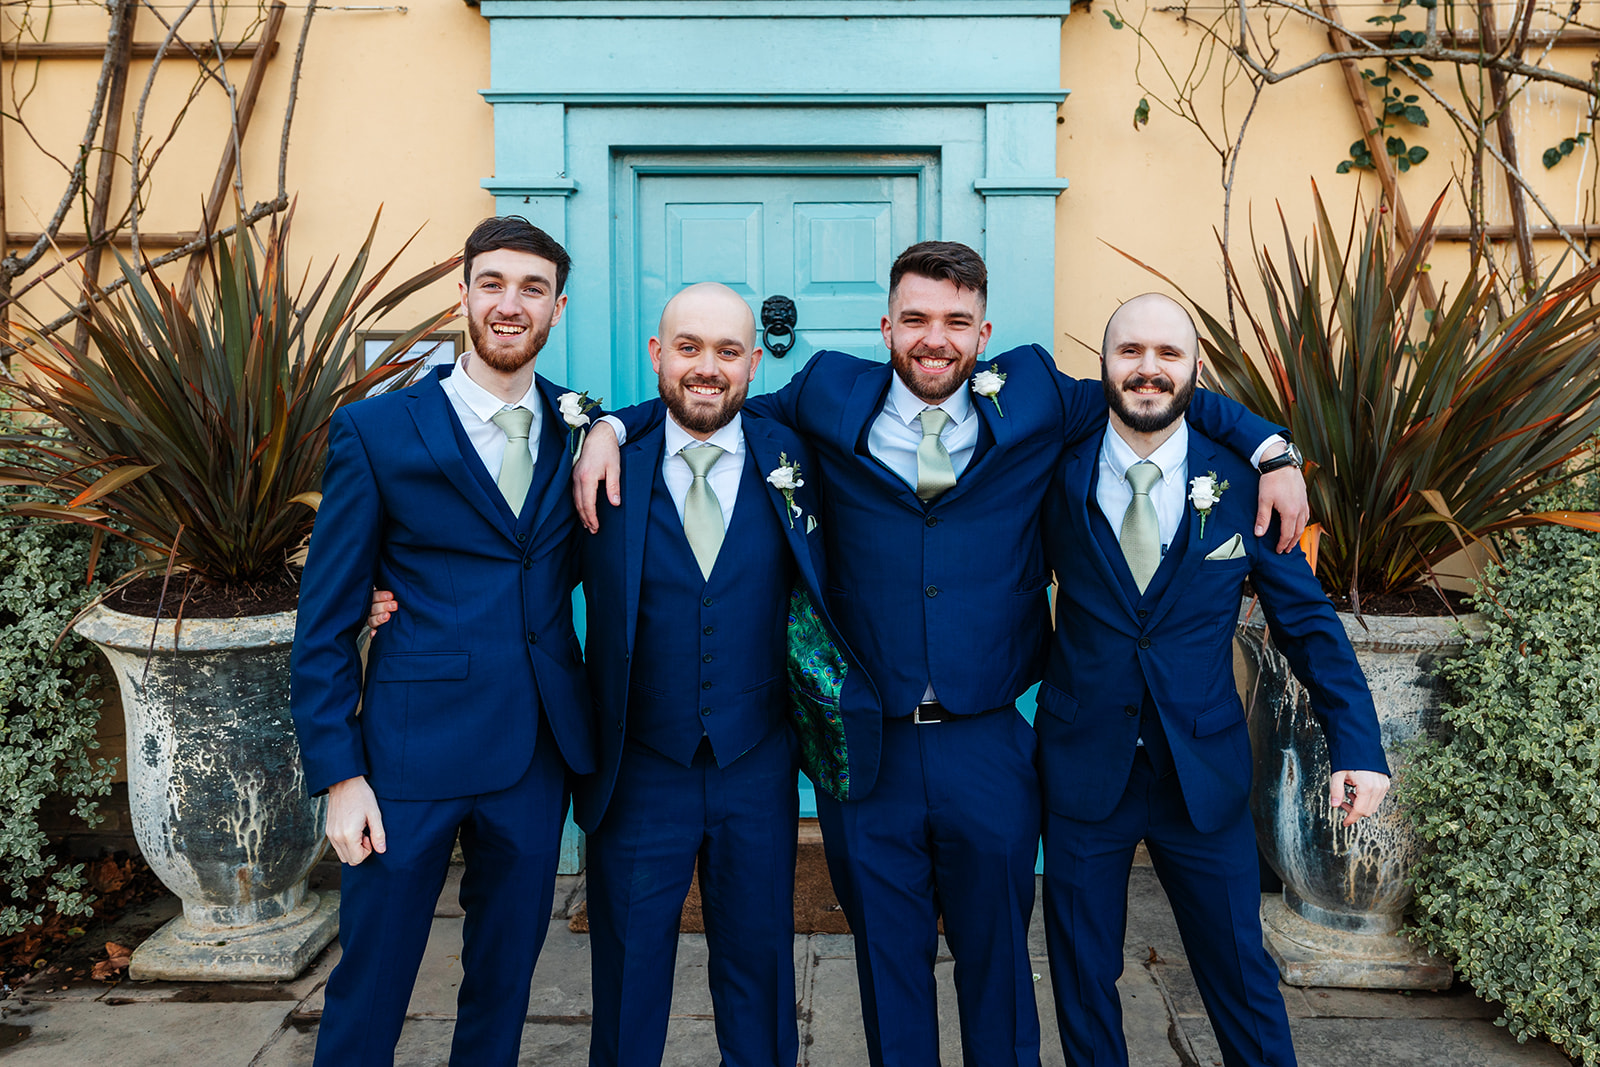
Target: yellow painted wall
<point>1157,194</point>
<point>388,112</point>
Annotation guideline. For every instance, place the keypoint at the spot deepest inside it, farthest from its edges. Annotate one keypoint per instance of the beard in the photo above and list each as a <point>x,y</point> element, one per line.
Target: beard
<point>932,389</point>
<point>507,354</point>
<point>697,414</point>
<point>1148,421</point>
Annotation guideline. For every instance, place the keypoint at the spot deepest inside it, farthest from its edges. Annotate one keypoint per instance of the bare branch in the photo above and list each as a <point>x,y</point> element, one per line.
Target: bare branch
<point>294,92</point>
<point>138,114</point>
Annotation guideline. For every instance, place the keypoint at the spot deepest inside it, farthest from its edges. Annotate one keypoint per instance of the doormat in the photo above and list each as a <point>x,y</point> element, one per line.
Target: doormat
<point>816,909</point>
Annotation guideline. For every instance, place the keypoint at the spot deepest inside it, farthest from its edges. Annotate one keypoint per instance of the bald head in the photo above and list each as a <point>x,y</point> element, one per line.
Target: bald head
<point>713,306</point>
<point>705,356</point>
<point>1156,314</point>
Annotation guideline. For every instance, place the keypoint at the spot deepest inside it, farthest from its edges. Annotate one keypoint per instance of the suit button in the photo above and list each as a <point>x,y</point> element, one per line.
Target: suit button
<point>705,685</point>
<point>1144,642</point>
<point>619,724</point>
<point>521,537</point>
<point>931,521</point>
<point>1144,613</point>
<point>932,590</point>
<point>705,711</point>
<point>706,658</point>
<point>709,630</point>
<point>527,564</point>
<point>708,602</point>
<point>533,638</point>
<point>1130,711</point>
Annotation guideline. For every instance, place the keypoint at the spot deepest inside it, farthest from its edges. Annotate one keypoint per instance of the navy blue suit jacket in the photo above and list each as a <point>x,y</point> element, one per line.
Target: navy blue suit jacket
<point>613,567</point>
<point>954,591</point>
<point>456,682</point>
<point>1104,657</point>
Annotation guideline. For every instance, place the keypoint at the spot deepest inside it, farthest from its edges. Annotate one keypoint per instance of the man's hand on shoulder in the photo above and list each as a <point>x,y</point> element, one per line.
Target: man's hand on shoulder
<point>599,461</point>
<point>1283,491</point>
<point>1357,793</point>
<point>355,826</point>
<point>383,605</point>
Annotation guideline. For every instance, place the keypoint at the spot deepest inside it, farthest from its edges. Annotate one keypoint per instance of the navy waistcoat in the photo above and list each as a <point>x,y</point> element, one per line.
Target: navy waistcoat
<point>708,658</point>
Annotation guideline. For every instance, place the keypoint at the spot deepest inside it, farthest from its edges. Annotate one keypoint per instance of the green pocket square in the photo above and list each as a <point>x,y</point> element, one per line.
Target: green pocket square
<point>1232,548</point>
<point>816,677</point>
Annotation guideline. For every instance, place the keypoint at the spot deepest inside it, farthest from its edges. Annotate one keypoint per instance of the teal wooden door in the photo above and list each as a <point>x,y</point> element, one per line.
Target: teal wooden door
<point>826,241</point>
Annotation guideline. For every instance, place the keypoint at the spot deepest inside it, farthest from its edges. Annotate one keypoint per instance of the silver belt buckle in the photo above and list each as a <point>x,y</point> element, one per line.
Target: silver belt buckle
<point>916,715</point>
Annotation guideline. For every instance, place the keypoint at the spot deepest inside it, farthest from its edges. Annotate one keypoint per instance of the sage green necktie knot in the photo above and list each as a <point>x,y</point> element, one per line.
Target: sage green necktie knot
<point>516,466</point>
<point>935,473</point>
<point>702,511</point>
<point>1141,530</point>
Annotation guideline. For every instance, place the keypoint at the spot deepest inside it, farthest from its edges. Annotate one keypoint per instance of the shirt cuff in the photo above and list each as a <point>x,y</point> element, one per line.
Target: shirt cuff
<point>622,433</point>
<point>1255,457</point>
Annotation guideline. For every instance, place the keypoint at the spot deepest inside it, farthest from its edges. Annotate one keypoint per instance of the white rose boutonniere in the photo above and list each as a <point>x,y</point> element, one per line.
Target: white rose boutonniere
<point>989,383</point>
<point>785,478</point>
<point>1205,491</point>
<point>575,408</point>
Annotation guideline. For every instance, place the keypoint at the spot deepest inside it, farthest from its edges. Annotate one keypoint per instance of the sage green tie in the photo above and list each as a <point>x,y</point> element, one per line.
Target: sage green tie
<point>516,466</point>
<point>1141,531</point>
<point>935,473</point>
<point>702,511</point>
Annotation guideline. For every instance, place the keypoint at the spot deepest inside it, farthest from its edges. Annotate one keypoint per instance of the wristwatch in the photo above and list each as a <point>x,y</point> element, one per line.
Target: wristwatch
<point>1289,458</point>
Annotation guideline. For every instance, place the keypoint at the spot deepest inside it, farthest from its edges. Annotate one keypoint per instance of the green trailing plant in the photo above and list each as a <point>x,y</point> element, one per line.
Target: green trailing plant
<point>1423,431</point>
<point>48,713</point>
<point>1508,801</point>
<point>198,429</point>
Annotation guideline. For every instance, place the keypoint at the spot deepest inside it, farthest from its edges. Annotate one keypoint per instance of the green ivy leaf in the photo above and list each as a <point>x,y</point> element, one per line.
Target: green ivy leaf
<point>1416,154</point>
<point>1141,114</point>
<point>1116,23</point>
<point>1415,115</point>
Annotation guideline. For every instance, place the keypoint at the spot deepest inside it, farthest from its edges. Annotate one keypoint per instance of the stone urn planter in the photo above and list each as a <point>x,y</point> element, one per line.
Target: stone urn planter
<point>1345,890</point>
<point>218,795</point>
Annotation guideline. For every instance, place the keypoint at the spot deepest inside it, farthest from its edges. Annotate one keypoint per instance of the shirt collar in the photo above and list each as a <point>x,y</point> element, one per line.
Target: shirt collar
<point>1171,457</point>
<point>906,405</point>
<point>483,403</point>
<point>730,438</point>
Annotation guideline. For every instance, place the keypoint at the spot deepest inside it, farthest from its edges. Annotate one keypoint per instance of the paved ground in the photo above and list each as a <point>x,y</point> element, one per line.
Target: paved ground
<point>275,1025</point>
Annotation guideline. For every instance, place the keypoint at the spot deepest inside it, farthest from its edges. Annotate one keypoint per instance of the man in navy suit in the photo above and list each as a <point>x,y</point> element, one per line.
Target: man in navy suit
<point>474,705</point>
<point>930,516</point>
<point>1141,731</point>
<point>688,589</point>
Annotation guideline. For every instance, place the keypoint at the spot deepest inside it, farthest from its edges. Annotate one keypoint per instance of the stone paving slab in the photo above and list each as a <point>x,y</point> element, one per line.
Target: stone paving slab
<point>68,1034</point>
<point>1395,1043</point>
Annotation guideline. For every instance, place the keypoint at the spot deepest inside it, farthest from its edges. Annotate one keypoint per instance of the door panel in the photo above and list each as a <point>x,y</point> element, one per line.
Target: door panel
<point>824,240</point>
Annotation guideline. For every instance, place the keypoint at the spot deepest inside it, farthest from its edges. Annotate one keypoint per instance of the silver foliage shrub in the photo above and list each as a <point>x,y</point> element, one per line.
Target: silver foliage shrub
<point>47,713</point>
<point>1509,801</point>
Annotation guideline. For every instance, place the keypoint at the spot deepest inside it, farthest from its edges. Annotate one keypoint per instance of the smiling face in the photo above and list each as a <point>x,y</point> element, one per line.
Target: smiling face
<point>705,356</point>
<point>511,304</point>
<point>1149,363</point>
<point>935,331</point>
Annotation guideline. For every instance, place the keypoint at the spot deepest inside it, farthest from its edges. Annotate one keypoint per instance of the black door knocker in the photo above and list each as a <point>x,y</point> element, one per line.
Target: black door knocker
<point>778,318</point>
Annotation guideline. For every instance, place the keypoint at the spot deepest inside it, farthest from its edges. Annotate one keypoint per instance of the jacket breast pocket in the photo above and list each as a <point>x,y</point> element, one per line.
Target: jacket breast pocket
<point>421,667</point>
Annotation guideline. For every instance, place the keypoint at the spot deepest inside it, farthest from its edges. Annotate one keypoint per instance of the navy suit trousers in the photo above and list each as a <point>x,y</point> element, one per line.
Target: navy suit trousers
<point>511,840</point>
<point>738,824</point>
<point>1213,882</point>
<point>951,828</point>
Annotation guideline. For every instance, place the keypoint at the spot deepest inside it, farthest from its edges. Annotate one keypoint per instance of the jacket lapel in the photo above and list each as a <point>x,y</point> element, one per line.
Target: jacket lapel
<point>1079,476</point>
<point>641,459</point>
<point>555,485</point>
<point>430,410</point>
<point>995,434</point>
<point>766,453</point>
<point>860,408</point>
<point>1202,457</point>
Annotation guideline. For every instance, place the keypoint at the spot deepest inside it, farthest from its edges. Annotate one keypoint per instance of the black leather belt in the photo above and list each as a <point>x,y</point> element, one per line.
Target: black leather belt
<point>933,711</point>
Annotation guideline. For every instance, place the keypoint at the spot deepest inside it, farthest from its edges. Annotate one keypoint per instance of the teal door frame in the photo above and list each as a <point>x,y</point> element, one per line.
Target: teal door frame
<point>579,87</point>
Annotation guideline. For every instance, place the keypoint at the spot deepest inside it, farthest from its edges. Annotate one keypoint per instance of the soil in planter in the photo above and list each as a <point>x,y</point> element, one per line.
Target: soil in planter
<point>190,597</point>
<point>1423,602</point>
<point>64,948</point>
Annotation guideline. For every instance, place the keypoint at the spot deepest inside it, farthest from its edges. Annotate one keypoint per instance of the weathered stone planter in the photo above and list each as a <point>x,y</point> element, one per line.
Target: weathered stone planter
<point>217,795</point>
<point>1345,889</point>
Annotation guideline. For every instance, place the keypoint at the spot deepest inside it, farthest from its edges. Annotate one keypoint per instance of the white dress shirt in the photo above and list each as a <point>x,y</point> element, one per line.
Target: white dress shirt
<point>897,431</point>
<point>1168,495</point>
<point>724,475</point>
<point>475,406</point>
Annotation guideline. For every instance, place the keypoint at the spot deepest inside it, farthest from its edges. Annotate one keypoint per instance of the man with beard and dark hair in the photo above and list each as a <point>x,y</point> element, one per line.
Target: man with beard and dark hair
<point>474,706</point>
<point>1141,732</point>
<point>933,473</point>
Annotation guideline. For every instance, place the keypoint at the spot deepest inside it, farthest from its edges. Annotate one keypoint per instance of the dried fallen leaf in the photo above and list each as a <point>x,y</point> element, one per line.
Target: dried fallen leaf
<point>117,959</point>
<point>114,950</point>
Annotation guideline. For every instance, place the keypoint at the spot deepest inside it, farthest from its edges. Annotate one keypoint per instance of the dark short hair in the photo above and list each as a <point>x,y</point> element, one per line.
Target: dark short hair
<point>949,261</point>
<point>519,235</point>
